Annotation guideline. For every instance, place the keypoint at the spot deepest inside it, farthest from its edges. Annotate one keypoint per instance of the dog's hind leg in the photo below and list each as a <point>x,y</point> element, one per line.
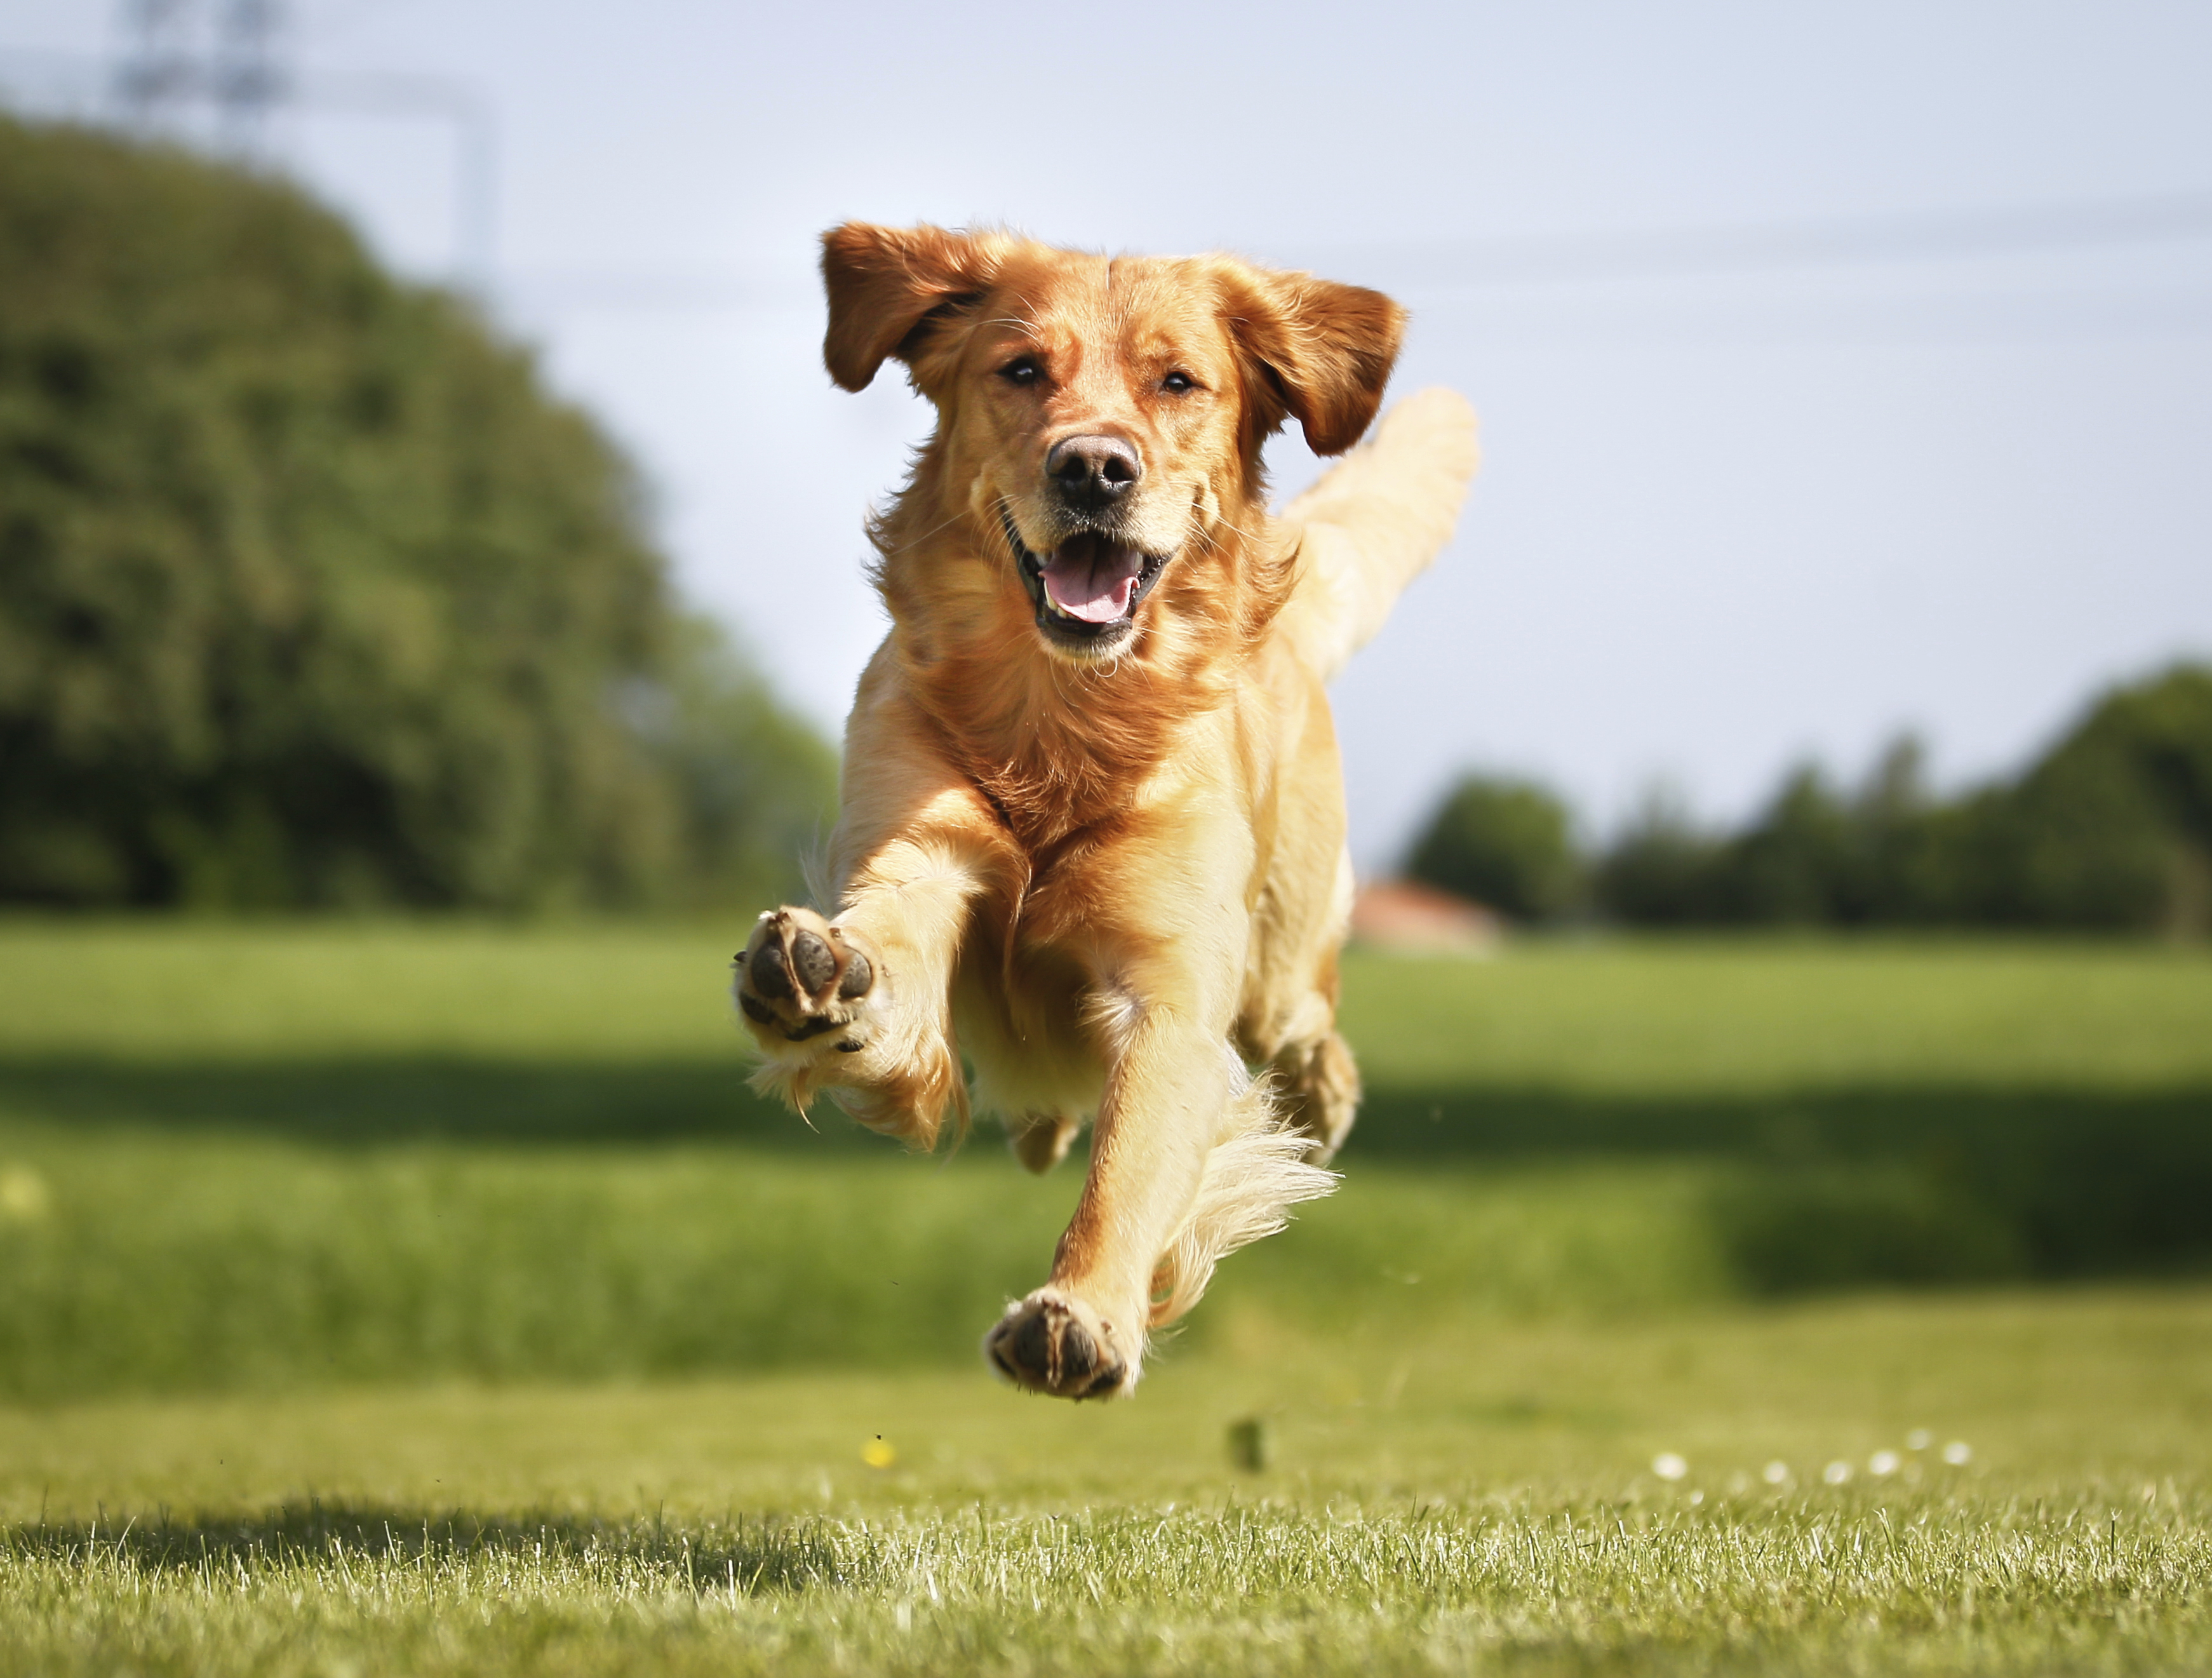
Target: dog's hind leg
<point>1317,1091</point>
<point>1289,1022</point>
<point>1041,1140</point>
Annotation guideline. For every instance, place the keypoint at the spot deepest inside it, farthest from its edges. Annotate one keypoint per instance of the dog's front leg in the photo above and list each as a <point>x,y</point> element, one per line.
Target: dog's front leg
<point>859,1004</point>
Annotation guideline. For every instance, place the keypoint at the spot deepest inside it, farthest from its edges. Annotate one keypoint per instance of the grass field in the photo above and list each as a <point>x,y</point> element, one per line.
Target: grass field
<point>245,1155</point>
<point>1479,1499</point>
<point>433,1298</point>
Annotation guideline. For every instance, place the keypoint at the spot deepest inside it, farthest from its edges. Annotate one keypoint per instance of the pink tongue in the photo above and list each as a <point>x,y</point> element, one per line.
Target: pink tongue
<point>1092,580</point>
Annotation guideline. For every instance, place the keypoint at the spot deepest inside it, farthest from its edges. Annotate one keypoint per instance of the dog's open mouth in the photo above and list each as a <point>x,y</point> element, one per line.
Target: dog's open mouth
<point>1087,590</point>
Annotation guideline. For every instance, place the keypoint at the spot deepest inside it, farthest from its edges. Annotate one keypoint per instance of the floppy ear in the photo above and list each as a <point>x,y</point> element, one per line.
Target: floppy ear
<point>1324,351</point>
<point>887,286</point>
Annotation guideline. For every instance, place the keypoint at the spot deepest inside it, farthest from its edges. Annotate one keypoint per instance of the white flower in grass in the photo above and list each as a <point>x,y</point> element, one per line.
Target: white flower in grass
<point>1836,1472</point>
<point>1776,1473</point>
<point>1668,1466</point>
<point>1958,1453</point>
<point>1884,1463</point>
<point>1920,1438</point>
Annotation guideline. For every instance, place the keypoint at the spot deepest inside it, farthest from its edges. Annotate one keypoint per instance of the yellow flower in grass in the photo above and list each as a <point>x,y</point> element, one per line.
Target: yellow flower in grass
<point>24,1197</point>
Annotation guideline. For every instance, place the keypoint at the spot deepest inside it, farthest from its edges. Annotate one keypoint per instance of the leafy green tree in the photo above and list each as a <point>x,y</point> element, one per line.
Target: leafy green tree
<point>310,595</point>
<point>1508,844</point>
<point>2110,830</point>
<point>1661,870</point>
<point>2112,827</point>
<point>1795,865</point>
<point>2162,729</point>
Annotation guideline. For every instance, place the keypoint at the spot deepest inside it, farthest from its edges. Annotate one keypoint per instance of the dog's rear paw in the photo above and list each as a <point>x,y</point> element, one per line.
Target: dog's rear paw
<point>1053,1343</point>
<point>801,978</point>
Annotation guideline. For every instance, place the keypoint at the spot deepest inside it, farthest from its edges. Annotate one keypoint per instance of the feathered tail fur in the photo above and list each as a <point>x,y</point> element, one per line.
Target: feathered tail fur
<point>1374,522</point>
<point>1252,1180</point>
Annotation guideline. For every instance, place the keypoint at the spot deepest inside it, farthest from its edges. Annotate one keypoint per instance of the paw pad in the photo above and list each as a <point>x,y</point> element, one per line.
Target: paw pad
<point>799,976</point>
<point>1057,1346</point>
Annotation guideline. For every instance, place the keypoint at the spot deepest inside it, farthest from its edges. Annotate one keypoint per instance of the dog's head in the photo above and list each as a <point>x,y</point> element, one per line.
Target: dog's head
<point>1100,419</point>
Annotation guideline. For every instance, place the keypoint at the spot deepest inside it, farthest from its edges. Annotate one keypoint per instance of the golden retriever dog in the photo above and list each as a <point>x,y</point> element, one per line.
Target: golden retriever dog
<point>1092,836</point>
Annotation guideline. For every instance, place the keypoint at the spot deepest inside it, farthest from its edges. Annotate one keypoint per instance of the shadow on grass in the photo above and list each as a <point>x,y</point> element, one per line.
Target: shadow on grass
<point>748,1557</point>
<point>374,1101</point>
<point>1825,1187</point>
<point>1849,1187</point>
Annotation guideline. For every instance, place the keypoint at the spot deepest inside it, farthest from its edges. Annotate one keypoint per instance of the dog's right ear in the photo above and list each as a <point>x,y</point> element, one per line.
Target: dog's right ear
<point>890,286</point>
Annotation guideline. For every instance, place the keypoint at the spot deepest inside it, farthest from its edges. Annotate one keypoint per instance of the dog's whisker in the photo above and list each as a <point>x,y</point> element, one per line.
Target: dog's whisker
<point>917,541</point>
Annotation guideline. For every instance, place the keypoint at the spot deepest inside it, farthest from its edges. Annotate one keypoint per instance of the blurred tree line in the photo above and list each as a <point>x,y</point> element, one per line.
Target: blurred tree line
<point>2111,829</point>
<point>310,595</point>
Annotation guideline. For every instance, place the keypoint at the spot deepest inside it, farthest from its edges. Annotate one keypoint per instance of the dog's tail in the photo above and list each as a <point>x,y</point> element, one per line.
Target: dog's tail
<point>1373,523</point>
<point>1251,1181</point>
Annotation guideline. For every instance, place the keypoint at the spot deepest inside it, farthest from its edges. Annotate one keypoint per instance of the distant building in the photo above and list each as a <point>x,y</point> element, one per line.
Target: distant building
<point>1406,916</point>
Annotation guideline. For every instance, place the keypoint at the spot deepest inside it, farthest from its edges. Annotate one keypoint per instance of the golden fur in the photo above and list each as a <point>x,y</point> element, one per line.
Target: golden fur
<point>1101,858</point>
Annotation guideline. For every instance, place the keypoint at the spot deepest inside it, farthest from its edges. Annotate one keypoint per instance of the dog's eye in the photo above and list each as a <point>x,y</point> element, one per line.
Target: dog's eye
<point>1178,383</point>
<point>1022,370</point>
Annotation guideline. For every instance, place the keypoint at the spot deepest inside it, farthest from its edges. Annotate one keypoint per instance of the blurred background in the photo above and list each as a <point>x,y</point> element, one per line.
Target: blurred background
<point>1843,374</point>
<point>430,586</point>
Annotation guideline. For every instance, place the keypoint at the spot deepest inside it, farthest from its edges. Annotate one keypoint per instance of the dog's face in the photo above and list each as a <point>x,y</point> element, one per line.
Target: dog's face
<point>1101,420</point>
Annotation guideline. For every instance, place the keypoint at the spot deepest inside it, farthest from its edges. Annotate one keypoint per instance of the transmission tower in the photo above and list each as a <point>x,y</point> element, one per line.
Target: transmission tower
<point>159,73</point>
<point>248,77</point>
<point>180,59</point>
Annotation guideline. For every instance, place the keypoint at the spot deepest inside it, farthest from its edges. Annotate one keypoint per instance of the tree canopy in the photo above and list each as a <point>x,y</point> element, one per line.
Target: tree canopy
<point>2110,830</point>
<point>1505,843</point>
<point>312,594</point>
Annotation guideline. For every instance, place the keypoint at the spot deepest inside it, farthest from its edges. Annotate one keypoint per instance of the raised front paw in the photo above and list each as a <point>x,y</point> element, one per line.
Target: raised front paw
<point>1052,1342</point>
<point>801,978</point>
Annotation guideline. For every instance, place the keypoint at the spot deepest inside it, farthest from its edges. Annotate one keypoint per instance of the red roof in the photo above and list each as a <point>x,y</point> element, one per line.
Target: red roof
<point>1406,914</point>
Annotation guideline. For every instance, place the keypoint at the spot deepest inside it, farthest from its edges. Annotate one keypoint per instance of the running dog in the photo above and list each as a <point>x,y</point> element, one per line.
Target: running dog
<point>1092,830</point>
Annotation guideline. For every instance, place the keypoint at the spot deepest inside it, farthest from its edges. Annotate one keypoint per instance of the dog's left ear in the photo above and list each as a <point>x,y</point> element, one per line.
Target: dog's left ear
<point>1323,351</point>
<point>888,286</point>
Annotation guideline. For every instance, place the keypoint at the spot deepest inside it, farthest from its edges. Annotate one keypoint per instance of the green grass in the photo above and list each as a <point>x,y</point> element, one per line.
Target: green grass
<point>1482,1497</point>
<point>435,1298</point>
<point>1640,1017</point>
<point>1660,1018</point>
<point>254,1155</point>
<point>158,1263</point>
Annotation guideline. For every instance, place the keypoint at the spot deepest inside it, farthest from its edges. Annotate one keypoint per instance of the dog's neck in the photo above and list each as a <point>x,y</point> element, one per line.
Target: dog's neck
<point>1059,747</point>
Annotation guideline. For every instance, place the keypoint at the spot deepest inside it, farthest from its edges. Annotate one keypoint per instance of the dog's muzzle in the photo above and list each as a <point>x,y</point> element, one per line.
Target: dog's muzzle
<point>1087,590</point>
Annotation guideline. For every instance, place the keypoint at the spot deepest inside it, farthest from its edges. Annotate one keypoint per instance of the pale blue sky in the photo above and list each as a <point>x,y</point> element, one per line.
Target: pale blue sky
<point>1729,517</point>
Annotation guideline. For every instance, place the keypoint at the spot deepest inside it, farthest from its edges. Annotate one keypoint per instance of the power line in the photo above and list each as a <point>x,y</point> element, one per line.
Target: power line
<point>474,125</point>
<point>168,65</point>
<point>1922,235</point>
<point>1559,259</point>
<point>160,73</point>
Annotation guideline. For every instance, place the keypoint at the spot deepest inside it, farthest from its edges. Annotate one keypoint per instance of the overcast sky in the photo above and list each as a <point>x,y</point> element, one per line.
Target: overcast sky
<point>1773,469</point>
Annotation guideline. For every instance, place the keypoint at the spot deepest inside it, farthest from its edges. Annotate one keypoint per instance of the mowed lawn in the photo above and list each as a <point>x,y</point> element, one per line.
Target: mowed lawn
<point>1640,1016</point>
<point>1474,1500</point>
<point>432,1298</point>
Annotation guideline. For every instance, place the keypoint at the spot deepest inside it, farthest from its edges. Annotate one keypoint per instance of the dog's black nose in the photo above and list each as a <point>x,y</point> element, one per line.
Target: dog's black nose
<point>1091,472</point>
